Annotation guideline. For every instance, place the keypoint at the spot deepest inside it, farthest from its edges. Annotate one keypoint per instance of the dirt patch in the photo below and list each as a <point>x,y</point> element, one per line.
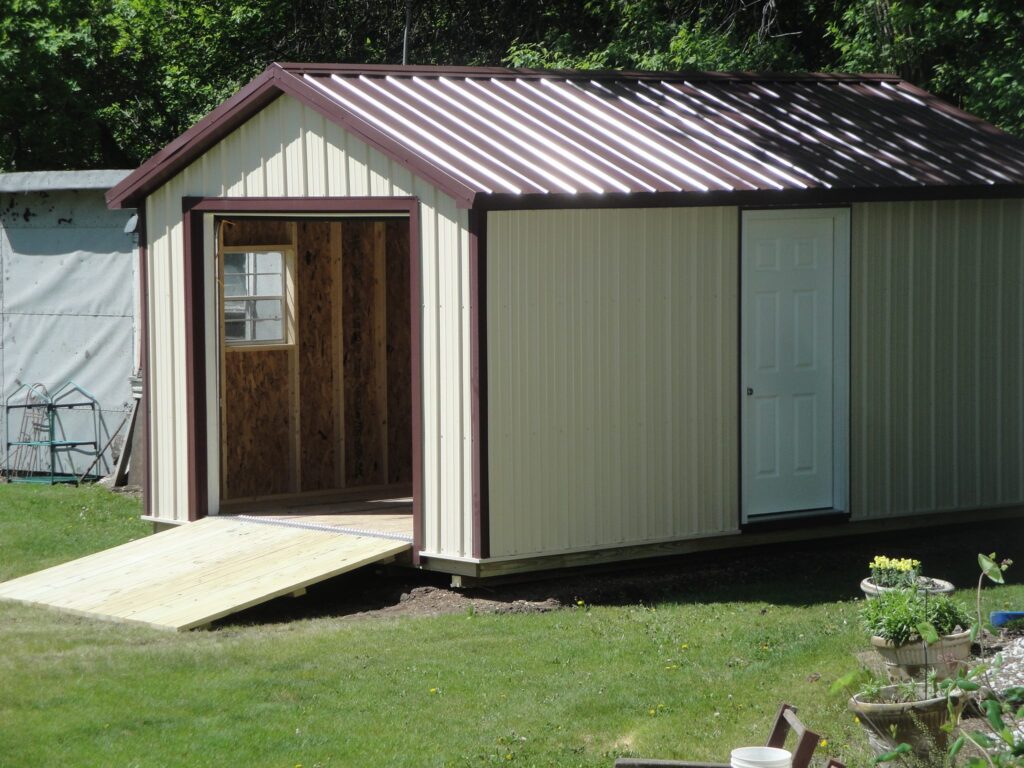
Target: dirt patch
<point>436,601</point>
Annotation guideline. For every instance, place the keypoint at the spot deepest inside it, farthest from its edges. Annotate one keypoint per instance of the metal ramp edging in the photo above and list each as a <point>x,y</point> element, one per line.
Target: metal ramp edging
<point>325,527</point>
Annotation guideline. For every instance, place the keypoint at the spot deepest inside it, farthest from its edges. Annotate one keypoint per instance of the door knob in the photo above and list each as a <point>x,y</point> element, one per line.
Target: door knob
<point>750,391</point>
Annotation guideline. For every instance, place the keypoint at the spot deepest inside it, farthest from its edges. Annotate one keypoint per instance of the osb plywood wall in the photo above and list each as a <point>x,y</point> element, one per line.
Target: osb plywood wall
<point>348,370</point>
<point>315,273</point>
<point>363,313</point>
<point>399,361</point>
<point>257,423</point>
<point>257,232</point>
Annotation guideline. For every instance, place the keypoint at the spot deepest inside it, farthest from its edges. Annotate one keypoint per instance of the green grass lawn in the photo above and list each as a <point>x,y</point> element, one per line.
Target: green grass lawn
<point>689,675</point>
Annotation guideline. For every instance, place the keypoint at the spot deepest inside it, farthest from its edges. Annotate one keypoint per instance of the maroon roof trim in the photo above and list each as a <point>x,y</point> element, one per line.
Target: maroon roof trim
<point>253,97</point>
<point>760,198</point>
<point>241,107</point>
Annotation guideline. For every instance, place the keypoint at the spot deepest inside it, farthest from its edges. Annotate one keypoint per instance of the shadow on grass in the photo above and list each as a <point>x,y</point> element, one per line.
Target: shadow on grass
<point>802,573</point>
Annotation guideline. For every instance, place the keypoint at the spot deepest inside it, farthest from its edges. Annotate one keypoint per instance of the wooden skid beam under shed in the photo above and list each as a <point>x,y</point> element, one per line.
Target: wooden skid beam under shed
<point>189,576</point>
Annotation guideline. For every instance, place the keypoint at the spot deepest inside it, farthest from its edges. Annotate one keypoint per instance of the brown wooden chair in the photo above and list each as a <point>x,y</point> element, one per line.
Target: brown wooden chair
<point>785,721</point>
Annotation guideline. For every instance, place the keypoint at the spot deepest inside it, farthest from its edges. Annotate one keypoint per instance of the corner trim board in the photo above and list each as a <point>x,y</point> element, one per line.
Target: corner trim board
<point>478,381</point>
<point>144,368</point>
<point>195,362</point>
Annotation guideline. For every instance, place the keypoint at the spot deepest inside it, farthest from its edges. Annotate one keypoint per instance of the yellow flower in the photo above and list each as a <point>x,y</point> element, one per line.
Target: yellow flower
<point>823,743</point>
<point>433,691</point>
<point>856,720</point>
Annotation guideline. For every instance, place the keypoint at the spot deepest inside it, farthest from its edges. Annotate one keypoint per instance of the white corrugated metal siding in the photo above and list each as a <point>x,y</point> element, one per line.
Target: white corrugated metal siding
<point>288,149</point>
<point>937,366</point>
<point>611,354</point>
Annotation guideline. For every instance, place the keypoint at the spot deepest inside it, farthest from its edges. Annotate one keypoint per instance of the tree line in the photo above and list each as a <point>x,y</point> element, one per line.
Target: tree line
<point>105,83</point>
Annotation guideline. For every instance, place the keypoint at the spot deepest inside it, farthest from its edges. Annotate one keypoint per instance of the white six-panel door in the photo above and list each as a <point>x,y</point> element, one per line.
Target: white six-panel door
<point>793,371</point>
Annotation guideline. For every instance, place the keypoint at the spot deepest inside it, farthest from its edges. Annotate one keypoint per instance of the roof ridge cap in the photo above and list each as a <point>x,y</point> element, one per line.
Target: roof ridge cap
<point>325,69</point>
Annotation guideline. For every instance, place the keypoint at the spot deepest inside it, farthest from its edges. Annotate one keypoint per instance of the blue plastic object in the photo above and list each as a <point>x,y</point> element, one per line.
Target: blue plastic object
<point>1001,618</point>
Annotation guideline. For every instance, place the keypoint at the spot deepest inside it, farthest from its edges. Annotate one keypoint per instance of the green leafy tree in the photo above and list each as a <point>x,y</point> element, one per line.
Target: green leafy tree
<point>967,52</point>
<point>94,83</point>
<point>58,71</point>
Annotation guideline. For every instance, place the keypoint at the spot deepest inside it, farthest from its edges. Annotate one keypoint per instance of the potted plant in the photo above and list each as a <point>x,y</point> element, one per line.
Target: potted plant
<point>917,633</point>
<point>1000,740</point>
<point>910,717</point>
<point>900,573</point>
<point>912,713</point>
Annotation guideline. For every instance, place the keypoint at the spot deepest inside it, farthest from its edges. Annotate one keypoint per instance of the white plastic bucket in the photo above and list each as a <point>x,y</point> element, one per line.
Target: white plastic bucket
<point>760,757</point>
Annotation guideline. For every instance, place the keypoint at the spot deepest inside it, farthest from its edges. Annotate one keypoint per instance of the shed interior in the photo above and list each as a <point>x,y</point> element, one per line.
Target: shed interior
<point>315,359</point>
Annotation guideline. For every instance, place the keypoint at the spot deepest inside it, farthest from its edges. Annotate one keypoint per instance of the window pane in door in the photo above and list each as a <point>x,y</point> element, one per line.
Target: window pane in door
<point>268,262</point>
<point>234,330</point>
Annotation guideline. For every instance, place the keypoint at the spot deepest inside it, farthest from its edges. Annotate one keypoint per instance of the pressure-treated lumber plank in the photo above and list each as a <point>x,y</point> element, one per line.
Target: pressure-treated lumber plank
<point>67,576</point>
<point>189,576</point>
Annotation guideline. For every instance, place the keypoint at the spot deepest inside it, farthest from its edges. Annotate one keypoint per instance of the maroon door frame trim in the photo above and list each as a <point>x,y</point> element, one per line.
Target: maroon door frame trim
<point>478,380</point>
<point>193,209</point>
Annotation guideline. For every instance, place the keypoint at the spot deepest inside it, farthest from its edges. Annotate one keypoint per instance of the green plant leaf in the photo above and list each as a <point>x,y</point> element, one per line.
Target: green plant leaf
<point>928,632</point>
<point>981,739</point>
<point>956,746</point>
<point>994,713</point>
<point>892,754</point>
<point>966,685</point>
<point>846,682</point>
<point>974,632</point>
<point>990,568</point>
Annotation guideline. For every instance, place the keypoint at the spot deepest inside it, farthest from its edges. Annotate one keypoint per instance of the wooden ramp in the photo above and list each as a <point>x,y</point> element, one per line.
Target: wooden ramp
<point>188,576</point>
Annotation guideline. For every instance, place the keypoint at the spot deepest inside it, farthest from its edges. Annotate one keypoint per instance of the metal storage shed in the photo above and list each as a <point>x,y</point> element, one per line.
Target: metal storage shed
<point>68,309</point>
<point>588,315</point>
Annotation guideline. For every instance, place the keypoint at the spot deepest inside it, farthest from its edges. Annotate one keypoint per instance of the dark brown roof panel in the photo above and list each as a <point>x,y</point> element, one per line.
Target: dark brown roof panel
<point>490,137</point>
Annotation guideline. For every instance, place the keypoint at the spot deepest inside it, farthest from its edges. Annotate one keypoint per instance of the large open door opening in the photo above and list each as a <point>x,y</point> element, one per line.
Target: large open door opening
<point>315,377</point>
<point>794,362</point>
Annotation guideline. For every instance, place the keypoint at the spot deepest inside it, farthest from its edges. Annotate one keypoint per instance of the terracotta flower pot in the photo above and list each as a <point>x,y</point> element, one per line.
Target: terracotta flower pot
<point>908,661</point>
<point>924,584</point>
<point>918,723</point>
